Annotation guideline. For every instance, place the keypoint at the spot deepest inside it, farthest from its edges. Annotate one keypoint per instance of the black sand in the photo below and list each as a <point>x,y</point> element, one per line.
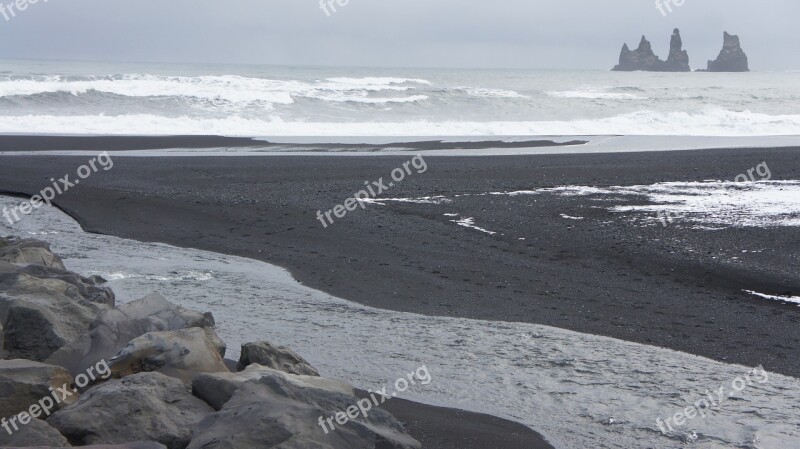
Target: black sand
<point>667,286</point>
<point>445,428</point>
<point>133,143</point>
<point>613,279</point>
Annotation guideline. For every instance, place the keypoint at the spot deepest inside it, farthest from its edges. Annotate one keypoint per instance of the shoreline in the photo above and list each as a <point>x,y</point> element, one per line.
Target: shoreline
<point>58,143</point>
<point>453,146</point>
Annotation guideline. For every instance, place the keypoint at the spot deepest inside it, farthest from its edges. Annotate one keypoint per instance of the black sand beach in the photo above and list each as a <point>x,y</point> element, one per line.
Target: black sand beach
<point>445,428</point>
<point>134,143</point>
<point>600,275</point>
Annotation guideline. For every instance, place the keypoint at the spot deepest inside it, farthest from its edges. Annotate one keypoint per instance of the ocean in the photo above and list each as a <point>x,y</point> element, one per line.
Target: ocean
<point>261,101</point>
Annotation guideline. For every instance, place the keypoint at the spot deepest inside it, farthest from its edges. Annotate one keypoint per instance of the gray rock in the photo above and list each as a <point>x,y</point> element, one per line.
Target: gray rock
<point>35,433</point>
<point>280,358</point>
<point>28,251</point>
<point>76,286</point>
<point>218,388</point>
<point>642,58</point>
<point>678,60</point>
<point>732,58</point>
<point>43,308</point>
<point>24,383</point>
<point>181,354</point>
<point>136,445</point>
<point>38,318</point>
<point>281,410</point>
<point>141,407</point>
<point>115,328</point>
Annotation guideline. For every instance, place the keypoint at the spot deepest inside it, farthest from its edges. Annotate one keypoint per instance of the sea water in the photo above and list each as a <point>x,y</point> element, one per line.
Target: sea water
<point>171,99</point>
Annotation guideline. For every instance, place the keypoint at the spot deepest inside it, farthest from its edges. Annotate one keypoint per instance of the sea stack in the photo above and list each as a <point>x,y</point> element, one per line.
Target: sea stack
<point>732,58</point>
<point>678,60</point>
<point>644,59</point>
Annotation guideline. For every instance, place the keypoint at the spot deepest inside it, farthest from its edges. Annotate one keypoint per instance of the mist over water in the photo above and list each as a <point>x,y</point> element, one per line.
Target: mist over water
<point>82,98</point>
<point>581,391</point>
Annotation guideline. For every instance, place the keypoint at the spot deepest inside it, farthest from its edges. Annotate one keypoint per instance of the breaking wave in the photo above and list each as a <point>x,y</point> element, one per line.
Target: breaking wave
<point>711,122</point>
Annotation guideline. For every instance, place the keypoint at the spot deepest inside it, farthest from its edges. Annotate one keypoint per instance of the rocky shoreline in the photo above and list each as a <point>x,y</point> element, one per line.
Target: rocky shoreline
<point>79,370</point>
<point>158,374</point>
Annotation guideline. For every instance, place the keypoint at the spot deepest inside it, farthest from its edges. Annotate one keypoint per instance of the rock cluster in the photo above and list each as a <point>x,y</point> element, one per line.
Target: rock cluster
<point>167,384</point>
<point>732,58</point>
<point>643,58</point>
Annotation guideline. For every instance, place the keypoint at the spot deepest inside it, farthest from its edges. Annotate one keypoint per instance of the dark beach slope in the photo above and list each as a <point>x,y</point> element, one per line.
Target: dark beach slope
<point>133,143</point>
<point>600,275</point>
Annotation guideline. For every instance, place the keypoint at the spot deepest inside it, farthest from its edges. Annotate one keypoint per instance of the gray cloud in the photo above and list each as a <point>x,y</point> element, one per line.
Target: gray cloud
<point>450,33</point>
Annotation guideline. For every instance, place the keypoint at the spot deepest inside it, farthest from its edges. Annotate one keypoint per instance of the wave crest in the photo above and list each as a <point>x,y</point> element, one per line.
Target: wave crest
<point>711,122</point>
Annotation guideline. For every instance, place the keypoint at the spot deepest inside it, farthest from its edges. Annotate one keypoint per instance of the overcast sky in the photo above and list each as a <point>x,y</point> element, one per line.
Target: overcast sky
<point>407,33</point>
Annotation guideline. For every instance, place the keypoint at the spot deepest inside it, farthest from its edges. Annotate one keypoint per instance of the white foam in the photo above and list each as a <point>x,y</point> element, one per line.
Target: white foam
<point>738,204</point>
<point>594,93</point>
<point>712,122</point>
<point>234,89</point>
<point>469,222</point>
<point>790,299</point>
<point>363,82</point>
<point>420,200</point>
<point>491,93</point>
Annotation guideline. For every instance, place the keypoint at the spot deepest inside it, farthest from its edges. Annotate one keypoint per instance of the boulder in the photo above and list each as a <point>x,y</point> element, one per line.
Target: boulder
<point>732,58</point>
<point>642,58</point>
<point>28,251</point>
<point>218,388</point>
<point>75,286</point>
<point>280,358</point>
<point>181,354</point>
<point>38,318</point>
<point>136,445</point>
<point>24,383</point>
<point>678,60</point>
<point>113,329</point>
<point>35,433</point>
<point>43,307</point>
<point>140,407</point>
<point>280,410</point>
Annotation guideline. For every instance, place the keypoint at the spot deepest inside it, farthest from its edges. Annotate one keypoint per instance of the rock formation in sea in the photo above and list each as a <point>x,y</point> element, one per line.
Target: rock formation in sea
<point>678,59</point>
<point>732,58</point>
<point>166,384</point>
<point>643,58</point>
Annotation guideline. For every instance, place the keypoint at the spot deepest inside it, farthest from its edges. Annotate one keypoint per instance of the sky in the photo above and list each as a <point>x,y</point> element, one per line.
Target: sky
<point>539,34</point>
